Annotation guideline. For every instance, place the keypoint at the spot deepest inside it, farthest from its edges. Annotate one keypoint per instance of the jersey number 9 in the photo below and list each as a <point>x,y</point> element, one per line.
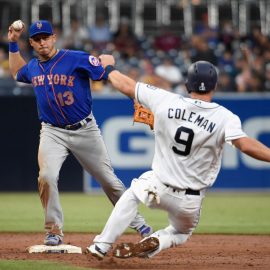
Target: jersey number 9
<point>183,136</point>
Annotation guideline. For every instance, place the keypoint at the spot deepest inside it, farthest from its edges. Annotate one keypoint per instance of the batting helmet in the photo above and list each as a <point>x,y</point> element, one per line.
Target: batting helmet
<point>201,77</point>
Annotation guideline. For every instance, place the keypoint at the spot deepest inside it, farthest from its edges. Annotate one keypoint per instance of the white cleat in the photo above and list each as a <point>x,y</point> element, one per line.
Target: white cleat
<point>96,252</point>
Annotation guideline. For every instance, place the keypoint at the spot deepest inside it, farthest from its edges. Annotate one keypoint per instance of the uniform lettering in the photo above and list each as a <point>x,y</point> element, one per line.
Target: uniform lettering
<point>204,124</point>
<point>191,117</point>
<point>70,80</point>
<point>49,77</point>
<point>56,79</point>
<point>211,127</point>
<point>169,113</point>
<point>34,81</point>
<point>40,79</point>
<point>63,79</point>
<point>60,79</point>
<point>183,115</point>
<point>199,119</point>
<point>177,113</point>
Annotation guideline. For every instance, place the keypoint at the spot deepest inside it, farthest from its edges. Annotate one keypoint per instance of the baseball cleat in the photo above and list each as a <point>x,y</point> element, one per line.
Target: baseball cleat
<point>53,240</point>
<point>141,249</point>
<point>96,252</point>
<point>145,231</point>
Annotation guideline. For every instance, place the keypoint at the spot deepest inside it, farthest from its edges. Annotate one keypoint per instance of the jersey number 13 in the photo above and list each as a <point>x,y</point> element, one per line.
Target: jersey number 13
<point>183,136</point>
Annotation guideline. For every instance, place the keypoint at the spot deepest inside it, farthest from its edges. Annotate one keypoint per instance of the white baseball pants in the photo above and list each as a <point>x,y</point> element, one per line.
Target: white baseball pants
<point>183,212</point>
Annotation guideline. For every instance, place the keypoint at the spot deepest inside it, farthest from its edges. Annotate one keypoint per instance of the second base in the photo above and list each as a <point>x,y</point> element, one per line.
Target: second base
<point>54,249</point>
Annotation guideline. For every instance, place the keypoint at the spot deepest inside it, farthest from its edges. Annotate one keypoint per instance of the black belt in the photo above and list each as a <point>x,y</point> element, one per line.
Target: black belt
<point>187,191</point>
<point>192,192</point>
<point>79,124</point>
<point>75,126</point>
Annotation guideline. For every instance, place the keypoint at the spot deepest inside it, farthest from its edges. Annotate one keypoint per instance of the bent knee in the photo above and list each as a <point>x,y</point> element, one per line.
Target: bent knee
<point>46,176</point>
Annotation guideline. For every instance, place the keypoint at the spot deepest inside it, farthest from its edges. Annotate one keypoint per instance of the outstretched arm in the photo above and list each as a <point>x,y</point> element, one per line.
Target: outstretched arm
<point>16,61</point>
<point>119,81</point>
<point>253,148</point>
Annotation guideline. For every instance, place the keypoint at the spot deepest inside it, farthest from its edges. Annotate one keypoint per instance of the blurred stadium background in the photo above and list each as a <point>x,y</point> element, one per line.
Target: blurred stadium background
<point>154,42</point>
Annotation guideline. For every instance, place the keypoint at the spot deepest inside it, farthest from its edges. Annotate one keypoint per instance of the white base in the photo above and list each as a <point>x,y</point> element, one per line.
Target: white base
<point>54,249</point>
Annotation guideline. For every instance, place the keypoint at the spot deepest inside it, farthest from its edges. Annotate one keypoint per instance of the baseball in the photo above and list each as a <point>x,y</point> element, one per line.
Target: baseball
<point>17,25</point>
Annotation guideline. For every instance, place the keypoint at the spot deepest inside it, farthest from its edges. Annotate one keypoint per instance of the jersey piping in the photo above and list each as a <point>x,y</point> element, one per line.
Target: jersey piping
<point>59,107</point>
<point>234,137</point>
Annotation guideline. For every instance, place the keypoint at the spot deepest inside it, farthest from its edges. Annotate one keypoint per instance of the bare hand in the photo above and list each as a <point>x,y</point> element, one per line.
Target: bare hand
<point>13,35</point>
<point>106,60</point>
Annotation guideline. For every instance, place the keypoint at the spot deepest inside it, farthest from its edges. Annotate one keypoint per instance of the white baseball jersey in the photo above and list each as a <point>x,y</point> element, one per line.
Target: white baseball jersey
<point>189,137</point>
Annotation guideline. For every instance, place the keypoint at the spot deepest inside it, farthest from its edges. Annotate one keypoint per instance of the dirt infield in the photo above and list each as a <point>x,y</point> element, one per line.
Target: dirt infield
<point>200,252</point>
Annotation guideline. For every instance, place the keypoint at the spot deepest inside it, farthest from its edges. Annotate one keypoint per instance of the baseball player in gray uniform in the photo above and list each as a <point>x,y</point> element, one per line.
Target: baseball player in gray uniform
<point>190,134</point>
<point>60,79</point>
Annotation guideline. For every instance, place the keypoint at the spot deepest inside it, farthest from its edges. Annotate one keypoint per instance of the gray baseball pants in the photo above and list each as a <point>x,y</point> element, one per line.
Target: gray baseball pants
<point>88,147</point>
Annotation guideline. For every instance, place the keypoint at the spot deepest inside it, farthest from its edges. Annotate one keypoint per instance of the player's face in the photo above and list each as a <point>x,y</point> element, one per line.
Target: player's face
<point>43,44</point>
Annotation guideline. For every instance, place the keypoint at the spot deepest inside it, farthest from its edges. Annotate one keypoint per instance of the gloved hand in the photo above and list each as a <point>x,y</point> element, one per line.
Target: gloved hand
<point>143,115</point>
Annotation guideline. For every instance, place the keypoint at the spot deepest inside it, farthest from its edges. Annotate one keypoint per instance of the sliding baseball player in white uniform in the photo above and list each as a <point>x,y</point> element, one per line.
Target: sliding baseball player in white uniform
<point>189,137</point>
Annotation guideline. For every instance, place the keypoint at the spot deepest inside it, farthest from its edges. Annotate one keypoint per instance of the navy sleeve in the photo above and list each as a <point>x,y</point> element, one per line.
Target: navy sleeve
<point>23,75</point>
<point>92,66</point>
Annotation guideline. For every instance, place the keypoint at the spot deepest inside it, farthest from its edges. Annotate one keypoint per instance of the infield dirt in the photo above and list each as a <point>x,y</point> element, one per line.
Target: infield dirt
<point>200,252</point>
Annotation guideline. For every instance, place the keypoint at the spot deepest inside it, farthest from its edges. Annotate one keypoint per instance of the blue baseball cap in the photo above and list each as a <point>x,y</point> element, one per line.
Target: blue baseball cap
<point>40,27</point>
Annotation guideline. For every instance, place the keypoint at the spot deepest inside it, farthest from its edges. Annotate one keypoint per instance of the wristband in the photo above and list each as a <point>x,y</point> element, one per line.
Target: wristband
<point>109,69</point>
<point>13,47</point>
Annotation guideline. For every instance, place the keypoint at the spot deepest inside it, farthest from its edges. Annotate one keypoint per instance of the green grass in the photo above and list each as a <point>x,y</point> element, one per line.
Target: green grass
<point>245,213</point>
<point>231,213</point>
<point>236,213</point>
<point>34,265</point>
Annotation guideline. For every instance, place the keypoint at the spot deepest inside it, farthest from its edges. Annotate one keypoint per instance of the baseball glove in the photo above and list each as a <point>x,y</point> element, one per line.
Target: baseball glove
<point>143,115</point>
